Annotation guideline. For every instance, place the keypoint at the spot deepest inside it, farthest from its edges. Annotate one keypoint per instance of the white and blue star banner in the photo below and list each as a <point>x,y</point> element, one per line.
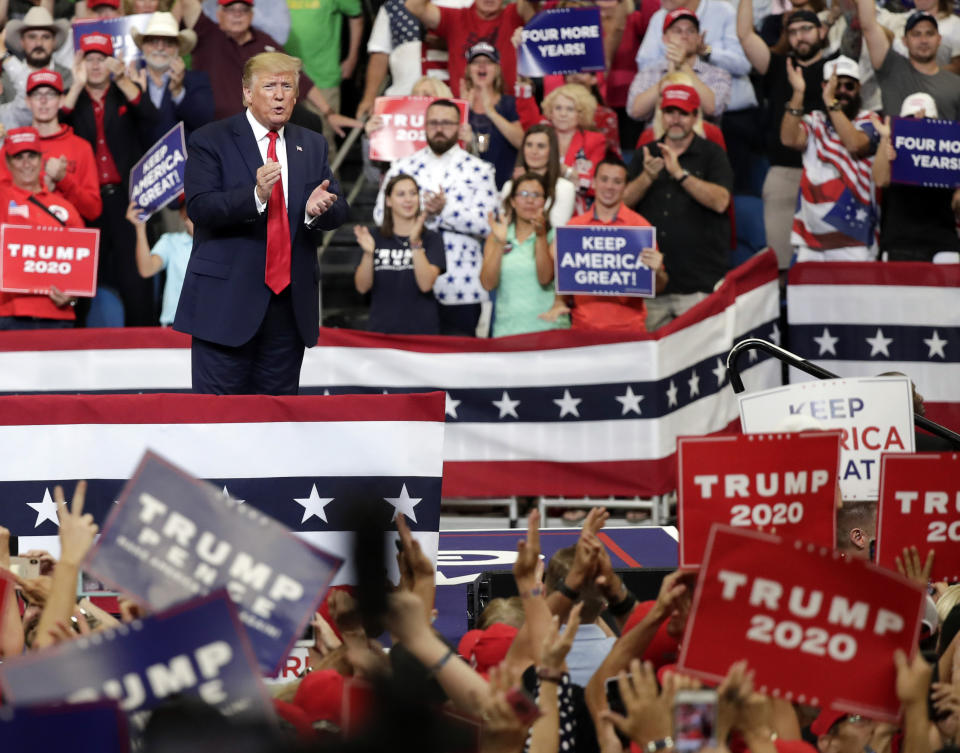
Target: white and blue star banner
<point>558,413</point>
<point>171,537</point>
<point>601,260</point>
<point>304,461</point>
<point>561,40</point>
<point>865,319</point>
<point>195,649</point>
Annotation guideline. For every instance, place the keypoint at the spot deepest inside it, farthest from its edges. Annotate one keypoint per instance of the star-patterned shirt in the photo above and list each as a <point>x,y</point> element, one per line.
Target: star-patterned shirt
<point>471,193</point>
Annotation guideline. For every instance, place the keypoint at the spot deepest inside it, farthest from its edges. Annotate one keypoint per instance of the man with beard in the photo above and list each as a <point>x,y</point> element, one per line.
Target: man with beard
<point>805,35</point>
<point>682,185</point>
<point>37,36</point>
<point>178,94</point>
<point>900,76</point>
<point>836,217</point>
<point>458,192</point>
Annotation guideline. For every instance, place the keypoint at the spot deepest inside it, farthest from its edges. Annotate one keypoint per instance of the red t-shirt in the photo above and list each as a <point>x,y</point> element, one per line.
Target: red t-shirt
<point>462,28</point>
<point>663,649</point>
<point>16,209</point>
<point>610,312</point>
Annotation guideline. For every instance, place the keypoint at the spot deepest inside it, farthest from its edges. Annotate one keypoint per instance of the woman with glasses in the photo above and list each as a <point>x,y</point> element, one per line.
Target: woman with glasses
<point>401,261</point>
<point>518,261</point>
<point>540,154</point>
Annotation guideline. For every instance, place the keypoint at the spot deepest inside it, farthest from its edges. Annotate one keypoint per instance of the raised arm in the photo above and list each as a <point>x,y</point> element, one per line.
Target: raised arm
<point>913,688</point>
<point>76,537</point>
<point>877,43</point>
<point>427,12</point>
<point>753,46</point>
<point>792,133</point>
<point>854,140</point>
<point>726,50</point>
<point>11,628</point>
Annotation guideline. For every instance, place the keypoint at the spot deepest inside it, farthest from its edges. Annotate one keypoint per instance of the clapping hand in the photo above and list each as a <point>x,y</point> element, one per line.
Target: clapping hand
<point>364,238</point>
<point>671,160</point>
<point>796,79</point>
<point>651,165</point>
<point>320,200</point>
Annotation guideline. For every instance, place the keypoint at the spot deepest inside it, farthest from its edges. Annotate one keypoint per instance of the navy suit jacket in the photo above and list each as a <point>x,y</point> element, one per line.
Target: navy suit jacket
<point>195,109</point>
<point>224,297</point>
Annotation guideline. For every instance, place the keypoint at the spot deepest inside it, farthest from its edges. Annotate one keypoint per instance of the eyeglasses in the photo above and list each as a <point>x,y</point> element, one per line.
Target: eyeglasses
<point>847,86</point>
<point>442,123</point>
<point>529,195</point>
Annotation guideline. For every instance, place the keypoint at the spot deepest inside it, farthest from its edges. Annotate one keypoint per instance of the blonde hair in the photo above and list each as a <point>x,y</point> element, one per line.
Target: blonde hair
<point>582,99</point>
<point>271,64</point>
<point>440,89</point>
<point>677,77</point>
<point>947,601</point>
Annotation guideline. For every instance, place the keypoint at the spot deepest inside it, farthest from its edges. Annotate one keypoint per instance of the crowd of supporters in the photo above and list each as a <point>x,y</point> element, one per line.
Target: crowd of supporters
<point>708,104</point>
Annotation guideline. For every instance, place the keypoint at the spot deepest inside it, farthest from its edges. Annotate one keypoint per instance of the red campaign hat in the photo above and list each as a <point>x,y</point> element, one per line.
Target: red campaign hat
<point>231,2</point>
<point>320,695</point>
<point>97,43</point>
<point>825,720</point>
<point>296,717</point>
<point>680,95</point>
<point>676,14</point>
<point>97,3</point>
<point>44,78</point>
<point>492,646</point>
<point>22,140</point>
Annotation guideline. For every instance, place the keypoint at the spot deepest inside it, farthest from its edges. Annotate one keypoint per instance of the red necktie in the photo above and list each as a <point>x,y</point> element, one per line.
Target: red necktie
<point>277,274</point>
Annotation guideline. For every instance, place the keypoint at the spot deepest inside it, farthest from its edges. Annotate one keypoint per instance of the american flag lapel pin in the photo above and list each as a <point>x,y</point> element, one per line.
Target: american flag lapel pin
<point>299,148</point>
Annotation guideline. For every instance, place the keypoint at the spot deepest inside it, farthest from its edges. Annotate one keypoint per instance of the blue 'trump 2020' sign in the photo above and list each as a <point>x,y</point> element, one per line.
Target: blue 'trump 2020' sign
<point>600,260</point>
<point>563,40</point>
<point>928,152</point>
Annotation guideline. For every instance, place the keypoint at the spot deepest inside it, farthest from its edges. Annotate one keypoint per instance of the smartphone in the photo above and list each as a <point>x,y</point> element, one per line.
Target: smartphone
<point>24,567</point>
<point>523,705</point>
<point>615,702</point>
<point>694,720</point>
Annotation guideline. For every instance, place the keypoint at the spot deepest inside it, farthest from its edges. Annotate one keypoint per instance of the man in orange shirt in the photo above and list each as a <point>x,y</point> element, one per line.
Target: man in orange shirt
<point>614,312</point>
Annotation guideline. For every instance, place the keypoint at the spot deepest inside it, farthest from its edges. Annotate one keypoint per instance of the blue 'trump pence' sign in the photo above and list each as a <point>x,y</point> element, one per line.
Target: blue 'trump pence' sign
<point>600,260</point>
<point>928,152</point>
<point>196,649</point>
<point>157,179</point>
<point>562,40</point>
<point>172,537</point>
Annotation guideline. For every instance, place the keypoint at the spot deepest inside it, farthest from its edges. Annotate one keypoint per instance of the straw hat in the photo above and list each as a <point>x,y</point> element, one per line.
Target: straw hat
<point>165,25</point>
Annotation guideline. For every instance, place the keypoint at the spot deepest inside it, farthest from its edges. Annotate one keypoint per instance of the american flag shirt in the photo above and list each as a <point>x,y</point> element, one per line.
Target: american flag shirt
<point>836,206</point>
<point>471,194</point>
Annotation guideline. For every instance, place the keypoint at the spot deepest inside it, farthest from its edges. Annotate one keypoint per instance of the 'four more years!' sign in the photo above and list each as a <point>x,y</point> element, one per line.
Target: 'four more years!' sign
<point>561,40</point>
<point>920,506</point>
<point>928,152</point>
<point>874,416</point>
<point>782,483</point>
<point>171,537</point>
<point>600,260</point>
<point>34,258</point>
<point>815,628</point>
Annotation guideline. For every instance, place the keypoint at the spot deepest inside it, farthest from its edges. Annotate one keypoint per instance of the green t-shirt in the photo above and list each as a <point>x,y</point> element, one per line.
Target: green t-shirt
<point>315,36</point>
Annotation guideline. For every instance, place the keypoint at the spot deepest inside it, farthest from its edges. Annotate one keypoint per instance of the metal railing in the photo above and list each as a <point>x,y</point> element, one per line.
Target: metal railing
<point>791,359</point>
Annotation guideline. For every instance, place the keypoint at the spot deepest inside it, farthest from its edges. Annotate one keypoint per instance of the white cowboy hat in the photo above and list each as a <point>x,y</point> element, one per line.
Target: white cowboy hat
<point>165,25</point>
<point>36,18</point>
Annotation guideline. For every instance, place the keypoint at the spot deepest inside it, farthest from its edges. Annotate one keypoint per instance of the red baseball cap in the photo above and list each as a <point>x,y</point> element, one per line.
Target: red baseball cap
<point>825,720</point>
<point>22,140</point>
<point>320,695</point>
<point>44,78</point>
<point>96,43</point>
<point>676,14</point>
<point>681,96</point>
<point>231,2</point>
<point>98,3</point>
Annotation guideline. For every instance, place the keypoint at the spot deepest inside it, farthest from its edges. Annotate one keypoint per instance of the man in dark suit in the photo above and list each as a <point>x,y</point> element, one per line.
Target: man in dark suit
<point>178,94</point>
<point>260,192</point>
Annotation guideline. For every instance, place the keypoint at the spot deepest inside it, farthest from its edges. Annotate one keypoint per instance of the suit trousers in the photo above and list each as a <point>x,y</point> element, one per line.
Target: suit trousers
<point>267,364</point>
